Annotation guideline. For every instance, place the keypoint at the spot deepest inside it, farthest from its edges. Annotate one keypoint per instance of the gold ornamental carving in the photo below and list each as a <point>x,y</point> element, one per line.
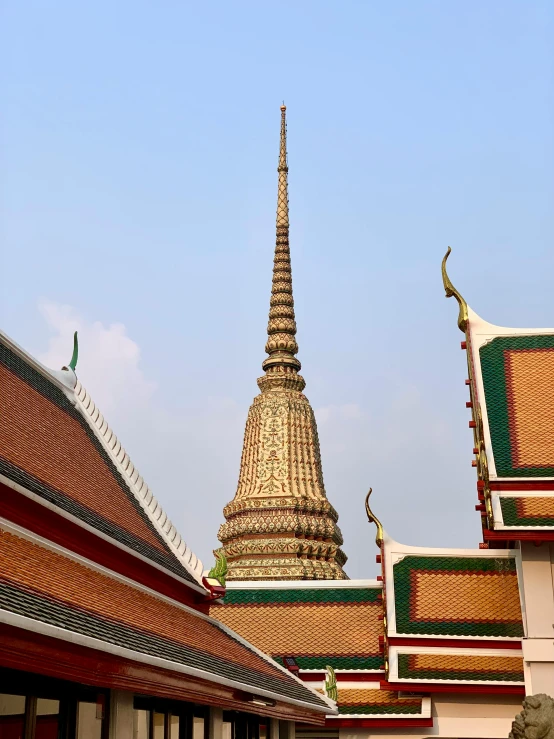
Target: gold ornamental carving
<point>280,524</point>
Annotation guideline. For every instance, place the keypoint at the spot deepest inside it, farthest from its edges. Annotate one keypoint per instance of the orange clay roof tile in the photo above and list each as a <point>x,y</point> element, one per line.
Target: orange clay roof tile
<point>47,586</point>
<point>49,448</point>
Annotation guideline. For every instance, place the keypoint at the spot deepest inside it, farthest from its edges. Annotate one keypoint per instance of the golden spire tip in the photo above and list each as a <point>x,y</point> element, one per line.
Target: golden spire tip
<point>281,343</point>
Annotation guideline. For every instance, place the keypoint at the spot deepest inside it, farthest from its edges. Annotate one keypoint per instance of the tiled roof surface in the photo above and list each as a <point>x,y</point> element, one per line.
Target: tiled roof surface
<point>136,483</point>
<point>528,511</point>
<point>457,596</point>
<point>316,626</point>
<point>518,374</point>
<point>460,667</point>
<point>276,596</point>
<point>47,447</point>
<point>46,586</point>
<point>367,701</point>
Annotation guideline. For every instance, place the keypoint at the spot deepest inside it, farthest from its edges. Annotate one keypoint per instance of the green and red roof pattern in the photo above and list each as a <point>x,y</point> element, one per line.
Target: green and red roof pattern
<point>514,512</point>
<point>460,668</point>
<point>457,596</point>
<point>317,626</point>
<point>519,398</point>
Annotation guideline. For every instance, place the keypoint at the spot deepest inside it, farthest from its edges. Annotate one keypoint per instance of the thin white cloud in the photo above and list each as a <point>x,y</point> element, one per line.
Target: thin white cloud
<point>189,459</point>
<point>109,360</point>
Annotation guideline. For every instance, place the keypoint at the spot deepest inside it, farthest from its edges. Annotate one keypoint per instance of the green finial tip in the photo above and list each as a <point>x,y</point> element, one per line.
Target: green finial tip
<point>75,355</point>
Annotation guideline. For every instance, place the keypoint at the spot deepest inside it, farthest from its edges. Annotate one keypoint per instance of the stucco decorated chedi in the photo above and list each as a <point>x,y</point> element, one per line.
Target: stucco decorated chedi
<point>280,524</point>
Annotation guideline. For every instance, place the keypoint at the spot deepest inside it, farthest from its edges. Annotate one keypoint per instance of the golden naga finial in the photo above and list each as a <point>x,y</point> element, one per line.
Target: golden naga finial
<point>451,292</point>
<point>372,518</point>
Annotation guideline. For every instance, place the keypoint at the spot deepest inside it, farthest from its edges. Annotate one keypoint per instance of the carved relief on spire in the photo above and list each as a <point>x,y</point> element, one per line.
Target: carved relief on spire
<point>281,330</point>
<point>280,524</point>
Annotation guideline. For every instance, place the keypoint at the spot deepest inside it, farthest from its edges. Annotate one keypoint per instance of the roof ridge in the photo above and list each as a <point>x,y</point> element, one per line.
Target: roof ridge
<point>67,382</point>
<point>137,484</point>
<point>64,379</point>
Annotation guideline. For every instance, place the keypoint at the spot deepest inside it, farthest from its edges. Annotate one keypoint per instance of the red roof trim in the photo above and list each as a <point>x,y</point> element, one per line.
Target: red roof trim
<point>453,688</point>
<point>44,655</point>
<point>507,485</point>
<point>518,535</point>
<point>478,643</point>
<point>369,723</point>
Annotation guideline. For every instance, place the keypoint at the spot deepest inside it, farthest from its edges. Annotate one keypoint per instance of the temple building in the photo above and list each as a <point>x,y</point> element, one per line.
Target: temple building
<point>110,628</point>
<point>104,625</point>
<point>445,642</point>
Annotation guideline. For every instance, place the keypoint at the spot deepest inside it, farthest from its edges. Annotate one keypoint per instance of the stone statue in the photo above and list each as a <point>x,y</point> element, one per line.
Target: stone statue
<point>536,721</point>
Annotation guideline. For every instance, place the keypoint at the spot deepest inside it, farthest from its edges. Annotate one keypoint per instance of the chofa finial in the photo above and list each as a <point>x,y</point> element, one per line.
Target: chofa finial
<point>372,518</point>
<point>451,292</point>
<point>75,356</point>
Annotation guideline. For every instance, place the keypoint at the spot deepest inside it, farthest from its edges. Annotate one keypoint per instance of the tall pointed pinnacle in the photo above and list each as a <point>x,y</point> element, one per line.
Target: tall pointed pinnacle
<point>280,525</point>
<point>281,342</point>
<point>283,169</point>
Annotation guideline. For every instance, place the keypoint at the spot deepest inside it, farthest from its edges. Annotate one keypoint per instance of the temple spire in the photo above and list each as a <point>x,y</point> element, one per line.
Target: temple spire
<point>283,169</point>
<point>280,525</point>
<point>281,330</point>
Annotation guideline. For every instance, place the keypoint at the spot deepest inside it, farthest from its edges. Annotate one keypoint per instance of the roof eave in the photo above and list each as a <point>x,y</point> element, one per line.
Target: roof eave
<point>56,632</point>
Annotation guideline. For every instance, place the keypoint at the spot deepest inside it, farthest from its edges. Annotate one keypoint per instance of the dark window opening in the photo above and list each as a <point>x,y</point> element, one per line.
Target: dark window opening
<point>36,707</point>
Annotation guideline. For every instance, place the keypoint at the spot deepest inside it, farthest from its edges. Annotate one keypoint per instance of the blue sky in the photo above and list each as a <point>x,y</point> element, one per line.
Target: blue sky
<point>139,150</point>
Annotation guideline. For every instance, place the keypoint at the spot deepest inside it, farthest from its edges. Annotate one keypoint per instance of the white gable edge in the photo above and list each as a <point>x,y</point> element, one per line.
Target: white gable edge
<point>67,381</point>
<point>137,484</point>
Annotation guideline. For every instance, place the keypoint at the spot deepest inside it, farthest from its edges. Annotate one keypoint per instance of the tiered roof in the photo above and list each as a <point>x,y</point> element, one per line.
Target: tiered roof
<point>56,448</point>
<point>368,702</point>
<point>312,626</point>
<point>453,593</point>
<point>45,588</point>
<point>453,616</point>
<point>70,497</point>
<point>510,375</point>
<point>317,626</point>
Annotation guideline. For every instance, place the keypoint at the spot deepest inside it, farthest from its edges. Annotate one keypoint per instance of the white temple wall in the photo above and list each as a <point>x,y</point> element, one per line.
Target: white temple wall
<point>538,678</point>
<point>537,586</point>
<point>456,716</point>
